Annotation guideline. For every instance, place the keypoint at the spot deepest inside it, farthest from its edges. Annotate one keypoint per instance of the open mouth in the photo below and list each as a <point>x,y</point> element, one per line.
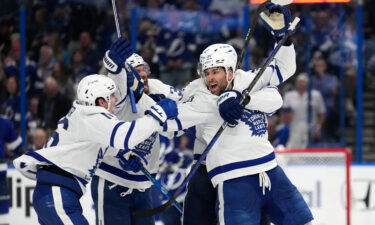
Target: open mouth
<point>213,86</point>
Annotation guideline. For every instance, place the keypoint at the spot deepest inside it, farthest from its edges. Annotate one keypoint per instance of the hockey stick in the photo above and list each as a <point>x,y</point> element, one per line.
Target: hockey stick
<point>162,189</point>
<point>244,101</point>
<point>254,21</point>
<point>119,34</point>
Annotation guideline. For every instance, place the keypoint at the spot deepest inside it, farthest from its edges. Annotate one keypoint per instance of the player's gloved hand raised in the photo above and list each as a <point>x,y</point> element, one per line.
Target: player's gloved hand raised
<point>230,108</point>
<point>134,82</point>
<point>163,110</point>
<point>278,20</point>
<point>117,54</point>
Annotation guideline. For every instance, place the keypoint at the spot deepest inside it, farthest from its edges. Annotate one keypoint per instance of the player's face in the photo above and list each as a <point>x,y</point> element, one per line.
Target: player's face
<point>113,101</point>
<point>142,71</point>
<point>216,80</point>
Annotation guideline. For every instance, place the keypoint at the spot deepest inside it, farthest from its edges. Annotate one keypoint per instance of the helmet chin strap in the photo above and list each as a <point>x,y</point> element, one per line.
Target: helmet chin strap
<point>109,103</point>
<point>229,81</point>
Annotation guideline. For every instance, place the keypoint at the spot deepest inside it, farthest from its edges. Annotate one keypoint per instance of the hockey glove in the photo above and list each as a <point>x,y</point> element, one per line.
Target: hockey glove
<point>157,97</point>
<point>116,56</point>
<point>230,108</point>
<point>277,21</point>
<point>131,160</point>
<point>134,82</point>
<point>163,110</point>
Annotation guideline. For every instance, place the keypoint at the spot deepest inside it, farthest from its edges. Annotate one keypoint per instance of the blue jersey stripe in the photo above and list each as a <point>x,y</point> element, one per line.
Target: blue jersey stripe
<point>119,103</point>
<point>279,75</point>
<point>126,142</point>
<point>112,140</point>
<point>165,126</point>
<point>40,158</point>
<point>109,116</point>
<point>240,165</point>
<point>122,173</point>
<point>179,125</point>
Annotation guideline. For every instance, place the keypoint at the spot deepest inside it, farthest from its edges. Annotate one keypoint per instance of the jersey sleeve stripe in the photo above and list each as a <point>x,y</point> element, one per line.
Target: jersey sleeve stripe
<point>120,102</point>
<point>15,144</point>
<point>279,75</point>
<point>126,142</point>
<point>165,126</point>
<point>179,125</point>
<point>106,115</point>
<point>111,143</point>
<point>123,174</point>
<point>239,165</point>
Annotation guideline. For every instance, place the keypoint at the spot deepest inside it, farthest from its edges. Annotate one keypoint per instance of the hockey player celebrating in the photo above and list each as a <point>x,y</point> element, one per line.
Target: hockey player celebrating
<point>241,164</point>
<point>120,188</point>
<point>75,150</point>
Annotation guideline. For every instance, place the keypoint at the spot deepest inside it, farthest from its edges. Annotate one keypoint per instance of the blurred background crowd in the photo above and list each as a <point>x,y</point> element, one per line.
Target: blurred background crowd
<point>66,40</point>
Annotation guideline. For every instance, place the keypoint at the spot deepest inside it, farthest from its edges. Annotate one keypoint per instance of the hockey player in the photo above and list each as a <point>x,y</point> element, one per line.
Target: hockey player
<point>75,150</point>
<point>241,164</point>
<point>10,140</point>
<point>120,189</point>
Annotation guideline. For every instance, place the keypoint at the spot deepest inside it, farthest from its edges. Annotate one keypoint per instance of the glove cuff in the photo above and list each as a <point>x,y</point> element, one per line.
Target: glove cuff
<point>110,65</point>
<point>157,113</point>
<point>228,94</point>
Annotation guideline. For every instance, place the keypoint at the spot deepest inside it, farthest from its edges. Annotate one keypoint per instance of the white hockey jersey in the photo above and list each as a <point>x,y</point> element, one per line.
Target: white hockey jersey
<point>244,149</point>
<point>110,168</point>
<point>83,137</point>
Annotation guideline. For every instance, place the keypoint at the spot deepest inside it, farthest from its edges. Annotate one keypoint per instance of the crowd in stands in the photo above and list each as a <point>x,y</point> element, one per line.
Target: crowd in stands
<point>65,41</point>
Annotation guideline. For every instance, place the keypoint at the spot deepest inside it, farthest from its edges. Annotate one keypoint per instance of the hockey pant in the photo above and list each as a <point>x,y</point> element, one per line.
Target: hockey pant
<point>57,205</point>
<point>241,201</point>
<point>114,204</point>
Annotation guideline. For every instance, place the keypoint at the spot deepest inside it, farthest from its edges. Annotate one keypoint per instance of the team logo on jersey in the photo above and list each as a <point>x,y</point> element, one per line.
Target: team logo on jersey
<point>99,159</point>
<point>190,99</point>
<point>145,147</point>
<point>256,121</point>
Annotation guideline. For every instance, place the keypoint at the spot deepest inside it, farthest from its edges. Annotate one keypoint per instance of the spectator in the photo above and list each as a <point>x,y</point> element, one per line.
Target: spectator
<point>282,130</point>
<point>9,140</point>
<point>2,83</point>
<point>79,69</point>
<point>11,106</point>
<point>64,80</point>
<point>174,49</point>
<point>90,56</point>
<point>303,132</point>
<point>39,138</point>
<point>46,62</point>
<point>327,84</point>
<point>33,121</point>
<point>52,104</point>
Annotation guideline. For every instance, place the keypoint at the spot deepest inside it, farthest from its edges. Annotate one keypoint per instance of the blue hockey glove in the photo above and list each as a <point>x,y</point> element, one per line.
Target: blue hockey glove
<point>277,21</point>
<point>163,110</point>
<point>230,108</point>
<point>117,54</point>
<point>157,97</point>
<point>132,160</point>
<point>133,164</point>
<point>134,82</point>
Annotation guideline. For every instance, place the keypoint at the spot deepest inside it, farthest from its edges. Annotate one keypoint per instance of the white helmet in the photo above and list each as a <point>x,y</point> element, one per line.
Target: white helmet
<point>136,60</point>
<point>218,55</point>
<point>95,86</point>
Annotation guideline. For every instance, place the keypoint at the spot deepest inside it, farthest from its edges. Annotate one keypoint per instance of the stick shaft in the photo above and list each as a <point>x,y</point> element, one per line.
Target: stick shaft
<point>119,34</point>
